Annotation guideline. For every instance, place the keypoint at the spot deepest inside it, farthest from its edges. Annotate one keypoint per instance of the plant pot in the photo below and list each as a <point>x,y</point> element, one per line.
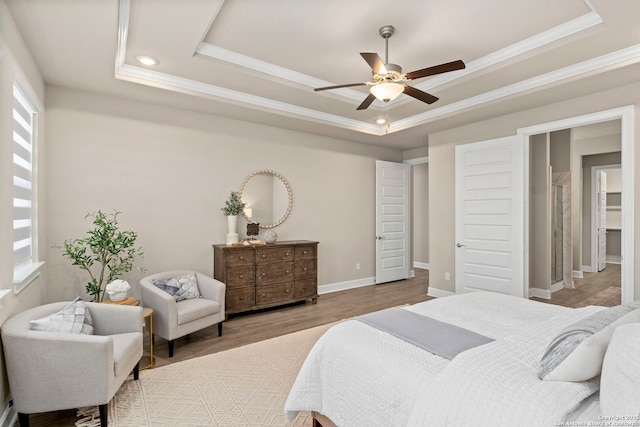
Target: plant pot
<point>118,296</point>
<point>232,222</point>
<point>232,236</point>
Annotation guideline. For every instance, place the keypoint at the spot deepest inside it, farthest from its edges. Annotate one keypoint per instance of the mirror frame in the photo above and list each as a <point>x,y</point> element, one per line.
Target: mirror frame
<point>287,187</point>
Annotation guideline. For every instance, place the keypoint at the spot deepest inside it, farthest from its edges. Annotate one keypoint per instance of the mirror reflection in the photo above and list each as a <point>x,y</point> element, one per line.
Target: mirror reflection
<point>267,197</point>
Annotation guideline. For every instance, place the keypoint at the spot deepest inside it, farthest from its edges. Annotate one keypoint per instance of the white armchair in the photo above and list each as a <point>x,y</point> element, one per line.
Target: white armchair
<point>171,319</point>
<point>51,371</point>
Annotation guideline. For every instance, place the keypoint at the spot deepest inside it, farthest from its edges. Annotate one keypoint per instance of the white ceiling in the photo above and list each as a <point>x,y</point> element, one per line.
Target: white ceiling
<point>259,60</point>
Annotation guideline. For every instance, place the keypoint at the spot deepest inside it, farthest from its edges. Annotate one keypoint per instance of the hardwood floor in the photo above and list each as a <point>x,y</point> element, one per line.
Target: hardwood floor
<point>244,329</point>
<point>587,287</point>
<point>247,328</point>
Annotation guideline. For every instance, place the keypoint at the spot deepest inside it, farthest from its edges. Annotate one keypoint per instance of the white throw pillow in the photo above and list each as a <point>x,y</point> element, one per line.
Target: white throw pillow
<point>619,383</point>
<point>181,288</point>
<point>577,352</point>
<point>74,319</point>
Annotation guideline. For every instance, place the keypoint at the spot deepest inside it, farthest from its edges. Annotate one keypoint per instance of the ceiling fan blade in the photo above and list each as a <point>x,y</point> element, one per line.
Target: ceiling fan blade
<point>375,62</point>
<point>367,101</point>
<point>438,69</point>
<point>420,95</point>
<point>339,86</point>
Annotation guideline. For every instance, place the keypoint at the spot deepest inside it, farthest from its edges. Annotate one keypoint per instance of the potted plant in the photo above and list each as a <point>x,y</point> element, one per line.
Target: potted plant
<point>105,253</point>
<point>233,207</point>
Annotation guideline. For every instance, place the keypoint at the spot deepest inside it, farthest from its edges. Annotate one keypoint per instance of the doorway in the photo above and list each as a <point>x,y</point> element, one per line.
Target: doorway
<point>625,115</point>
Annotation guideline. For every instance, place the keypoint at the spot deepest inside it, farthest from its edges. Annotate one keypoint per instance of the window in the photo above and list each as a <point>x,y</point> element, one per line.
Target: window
<point>25,265</point>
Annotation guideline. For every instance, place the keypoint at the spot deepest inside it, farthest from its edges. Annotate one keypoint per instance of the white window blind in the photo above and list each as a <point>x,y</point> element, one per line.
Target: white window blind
<point>23,212</point>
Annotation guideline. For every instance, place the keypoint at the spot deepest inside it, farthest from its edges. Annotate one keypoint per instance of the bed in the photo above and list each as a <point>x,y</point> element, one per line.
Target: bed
<point>361,375</point>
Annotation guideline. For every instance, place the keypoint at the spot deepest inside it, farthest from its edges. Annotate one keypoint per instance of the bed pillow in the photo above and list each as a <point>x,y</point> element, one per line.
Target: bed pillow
<point>619,391</point>
<point>181,288</point>
<point>75,318</point>
<point>577,352</point>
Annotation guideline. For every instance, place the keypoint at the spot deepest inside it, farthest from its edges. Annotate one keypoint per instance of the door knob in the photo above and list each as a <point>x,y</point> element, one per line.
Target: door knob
<point>460,245</point>
<point>380,237</point>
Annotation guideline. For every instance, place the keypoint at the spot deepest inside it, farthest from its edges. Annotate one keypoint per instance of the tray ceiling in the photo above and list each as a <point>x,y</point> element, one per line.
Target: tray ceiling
<point>259,61</point>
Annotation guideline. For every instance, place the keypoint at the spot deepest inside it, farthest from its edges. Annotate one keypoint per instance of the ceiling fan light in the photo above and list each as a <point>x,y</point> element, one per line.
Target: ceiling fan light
<point>386,91</point>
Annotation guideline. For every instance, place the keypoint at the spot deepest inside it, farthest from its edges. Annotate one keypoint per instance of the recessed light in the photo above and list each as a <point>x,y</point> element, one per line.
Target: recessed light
<point>146,60</point>
<point>381,121</point>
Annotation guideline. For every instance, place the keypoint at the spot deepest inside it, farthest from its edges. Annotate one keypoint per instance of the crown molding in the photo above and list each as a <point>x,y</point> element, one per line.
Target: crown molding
<point>594,65</point>
<point>157,79</point>
<point>160,80</point>
<point>559,32</point>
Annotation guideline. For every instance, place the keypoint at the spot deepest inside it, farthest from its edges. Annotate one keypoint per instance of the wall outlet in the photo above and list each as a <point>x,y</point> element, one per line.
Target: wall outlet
<point>358,266</point>
<point>447,276</point>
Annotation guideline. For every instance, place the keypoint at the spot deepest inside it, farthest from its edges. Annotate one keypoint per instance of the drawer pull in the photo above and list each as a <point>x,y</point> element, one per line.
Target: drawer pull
<point>241,298</point>
<point>264,295</point>
<point>242,276</point>
<point>264,256</point>
<point>286,291</point>
<point>287,253</point>
<point>241,256</point>
<point>304,269</point>
<point>304,252</point>
<point>264,274</point>
<point>286,271</point>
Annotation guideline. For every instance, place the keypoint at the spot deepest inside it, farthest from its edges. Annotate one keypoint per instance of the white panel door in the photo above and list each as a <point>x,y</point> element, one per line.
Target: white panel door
<point>602,220</point>
<point>392,221</point>
<point>490,216</point>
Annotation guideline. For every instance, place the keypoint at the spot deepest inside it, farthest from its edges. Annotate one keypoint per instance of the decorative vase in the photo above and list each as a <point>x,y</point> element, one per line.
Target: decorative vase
<point>232,222</point>
<point>118,296</point>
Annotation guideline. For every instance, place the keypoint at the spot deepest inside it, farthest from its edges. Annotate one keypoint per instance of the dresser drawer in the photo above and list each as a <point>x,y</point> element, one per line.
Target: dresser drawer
<point>274,272</point>
<point>305,252</point>
<point>305,288</point>
<point>274,254</point>
<point>237,257</point>
<point>305,269</point>
<point>274,293</point>
<point>240,277</point>
<point>240,298</point>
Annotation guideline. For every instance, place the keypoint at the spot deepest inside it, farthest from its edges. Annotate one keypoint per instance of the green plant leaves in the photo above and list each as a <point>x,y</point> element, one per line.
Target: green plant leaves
<point>234,206</point>
<point>105,253</point>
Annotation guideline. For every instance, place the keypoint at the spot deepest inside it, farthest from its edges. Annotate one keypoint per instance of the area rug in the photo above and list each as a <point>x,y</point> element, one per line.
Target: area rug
<point>607,297</point>
<point>244,386</point>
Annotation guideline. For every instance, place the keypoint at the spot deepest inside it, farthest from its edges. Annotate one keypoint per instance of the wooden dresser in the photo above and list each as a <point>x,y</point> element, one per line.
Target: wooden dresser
<point>267,275</point>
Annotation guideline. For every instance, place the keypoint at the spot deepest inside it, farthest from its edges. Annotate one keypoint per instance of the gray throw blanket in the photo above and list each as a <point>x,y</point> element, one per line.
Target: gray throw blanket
<point>440,338</point>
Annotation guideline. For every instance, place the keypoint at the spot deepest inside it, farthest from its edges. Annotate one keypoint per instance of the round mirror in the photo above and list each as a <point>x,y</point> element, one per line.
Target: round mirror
<point>267,198</point>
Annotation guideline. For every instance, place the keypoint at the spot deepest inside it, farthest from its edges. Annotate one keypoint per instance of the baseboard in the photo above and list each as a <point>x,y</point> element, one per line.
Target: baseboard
<point>578,274</point>
<point>438,293</point>
<point>539,293</point>
<point>343,286</point>
<point>9,417</point>
<point>422,265</point>
<point>587,269</point>
<point>557,286</point>
<point>614,259</point>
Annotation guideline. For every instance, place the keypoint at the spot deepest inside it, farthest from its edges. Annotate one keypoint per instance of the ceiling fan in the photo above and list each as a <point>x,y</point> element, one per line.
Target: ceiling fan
<point>386,77</point>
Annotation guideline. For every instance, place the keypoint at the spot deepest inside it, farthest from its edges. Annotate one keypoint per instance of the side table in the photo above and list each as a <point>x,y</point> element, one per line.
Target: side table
<point>126,301</point>
<point>147,313</point>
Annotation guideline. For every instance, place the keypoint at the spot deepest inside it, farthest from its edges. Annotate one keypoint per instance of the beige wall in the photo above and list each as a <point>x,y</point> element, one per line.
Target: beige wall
<point>587,163</point>
<point>169,172</point>
<point>580,148</point>
<point>539,213</point>
<point>420,213</point>
<point>15,60</point>
<point>441,161</point>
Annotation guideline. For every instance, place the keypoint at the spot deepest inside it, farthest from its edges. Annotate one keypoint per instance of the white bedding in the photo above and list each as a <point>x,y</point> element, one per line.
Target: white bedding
<point>357,375</point>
